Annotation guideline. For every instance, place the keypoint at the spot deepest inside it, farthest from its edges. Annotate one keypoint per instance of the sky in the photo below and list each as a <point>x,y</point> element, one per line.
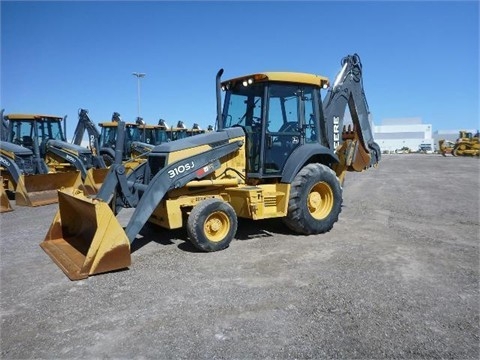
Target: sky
<point>420,58</point>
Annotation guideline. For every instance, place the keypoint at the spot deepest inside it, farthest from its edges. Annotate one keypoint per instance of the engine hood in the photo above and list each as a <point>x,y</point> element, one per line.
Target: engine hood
<point>72,147</point>
<point>17,149</point>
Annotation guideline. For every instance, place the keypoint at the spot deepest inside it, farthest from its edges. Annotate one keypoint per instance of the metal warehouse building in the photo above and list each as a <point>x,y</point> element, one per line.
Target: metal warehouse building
<point>394,134</point>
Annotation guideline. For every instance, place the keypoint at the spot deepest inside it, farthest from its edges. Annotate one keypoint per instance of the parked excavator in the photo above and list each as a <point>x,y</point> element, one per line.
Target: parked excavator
<point>278,152</point>
<point>34,162</point>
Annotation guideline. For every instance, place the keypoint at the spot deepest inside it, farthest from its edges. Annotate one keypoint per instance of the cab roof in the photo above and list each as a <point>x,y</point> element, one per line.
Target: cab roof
<point>292,77</point>
<point>115,124</point>
<point>31,117</point>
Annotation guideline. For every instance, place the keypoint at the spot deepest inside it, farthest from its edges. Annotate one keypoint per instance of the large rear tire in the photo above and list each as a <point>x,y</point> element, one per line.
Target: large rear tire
<point>212,225</point>
<point>315,200</point>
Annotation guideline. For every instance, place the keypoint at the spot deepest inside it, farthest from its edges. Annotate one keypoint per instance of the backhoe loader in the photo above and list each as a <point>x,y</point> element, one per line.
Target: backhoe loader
<point>195,130</point>
<point>133,150</point>
<point>177,132</point>
<point>25,172</point>
<point>95,175</point>
<point>278,152</point>
<point>52,154</point>
<point>151,134</point>
<point>139,139</point>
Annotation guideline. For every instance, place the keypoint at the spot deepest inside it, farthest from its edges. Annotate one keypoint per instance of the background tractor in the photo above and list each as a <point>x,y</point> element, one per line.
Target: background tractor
<point>467,144</point>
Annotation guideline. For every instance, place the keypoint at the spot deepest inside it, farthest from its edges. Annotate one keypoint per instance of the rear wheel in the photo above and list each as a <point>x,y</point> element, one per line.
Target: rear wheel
<point>315,200</point>
<point>211,225</point>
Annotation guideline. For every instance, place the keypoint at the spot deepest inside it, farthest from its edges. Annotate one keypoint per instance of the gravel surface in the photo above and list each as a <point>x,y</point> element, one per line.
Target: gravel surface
<point>397,277</point>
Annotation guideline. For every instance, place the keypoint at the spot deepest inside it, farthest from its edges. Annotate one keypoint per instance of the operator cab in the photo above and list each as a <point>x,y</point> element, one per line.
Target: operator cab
<point>279,112</point>
<point>24,129</point>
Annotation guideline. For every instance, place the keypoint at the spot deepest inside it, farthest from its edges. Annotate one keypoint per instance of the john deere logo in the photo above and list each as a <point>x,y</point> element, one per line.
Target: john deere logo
<point>336,131</point>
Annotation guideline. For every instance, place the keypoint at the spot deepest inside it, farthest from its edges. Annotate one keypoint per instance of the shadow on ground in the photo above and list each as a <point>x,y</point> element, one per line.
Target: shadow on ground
<point>247,229</point>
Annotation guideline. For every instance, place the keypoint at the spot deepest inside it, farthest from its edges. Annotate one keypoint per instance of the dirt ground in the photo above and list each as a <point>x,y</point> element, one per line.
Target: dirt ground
<point>397,277</point>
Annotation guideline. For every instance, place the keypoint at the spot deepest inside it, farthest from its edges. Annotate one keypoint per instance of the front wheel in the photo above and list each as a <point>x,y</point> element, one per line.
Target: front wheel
<point>315,200</point>
<point>211,225</point>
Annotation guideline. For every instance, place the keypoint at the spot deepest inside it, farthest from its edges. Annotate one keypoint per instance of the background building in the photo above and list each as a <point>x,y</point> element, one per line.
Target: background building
<point>395,134</point>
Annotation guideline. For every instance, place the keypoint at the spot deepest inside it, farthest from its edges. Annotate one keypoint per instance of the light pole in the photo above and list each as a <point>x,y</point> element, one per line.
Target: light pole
<point>138,75</point>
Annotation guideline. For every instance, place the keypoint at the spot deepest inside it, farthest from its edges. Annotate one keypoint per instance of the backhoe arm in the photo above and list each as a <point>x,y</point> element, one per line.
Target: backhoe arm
<point>85,124</point>
<point>355,145</point>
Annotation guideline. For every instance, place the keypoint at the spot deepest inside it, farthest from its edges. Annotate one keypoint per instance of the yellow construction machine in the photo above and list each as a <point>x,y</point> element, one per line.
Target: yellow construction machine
<point>195,130</point>
<point>279,151</point>
<point>105,147</point>
<point>445,146</point>
<point>177,132</point>
<point>467,144</point>
<point>152,134</point>
<point>139,139</point>
<point>35,159</point>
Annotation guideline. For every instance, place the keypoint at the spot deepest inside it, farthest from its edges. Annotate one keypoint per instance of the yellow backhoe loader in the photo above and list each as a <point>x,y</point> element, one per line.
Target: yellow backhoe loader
<point>138,139</point>
<point>279,151</point>
<point>35,160</point>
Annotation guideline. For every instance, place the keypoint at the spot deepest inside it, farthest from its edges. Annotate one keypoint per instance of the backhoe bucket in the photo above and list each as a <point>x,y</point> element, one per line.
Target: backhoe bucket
<point>4,201</point>
<point>41,189</point>
<point>94,180</point>
<point>85,238</point>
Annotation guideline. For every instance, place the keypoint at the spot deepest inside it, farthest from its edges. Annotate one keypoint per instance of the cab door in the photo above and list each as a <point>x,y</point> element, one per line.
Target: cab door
<point>290,123</point>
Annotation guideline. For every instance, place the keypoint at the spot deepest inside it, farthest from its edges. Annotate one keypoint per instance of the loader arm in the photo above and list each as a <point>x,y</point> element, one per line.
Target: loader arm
<point>348,90</point>
<point>11,167</point>
<point>72,159</point>
<point>146,197</point>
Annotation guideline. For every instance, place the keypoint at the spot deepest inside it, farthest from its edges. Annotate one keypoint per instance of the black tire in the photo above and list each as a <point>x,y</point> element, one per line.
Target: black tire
<point>212,225</point>
<point>315,200</point>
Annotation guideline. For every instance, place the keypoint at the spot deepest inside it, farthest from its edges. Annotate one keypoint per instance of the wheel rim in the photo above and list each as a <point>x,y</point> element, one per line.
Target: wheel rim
<point>216,226</point>
<point>320,200</point>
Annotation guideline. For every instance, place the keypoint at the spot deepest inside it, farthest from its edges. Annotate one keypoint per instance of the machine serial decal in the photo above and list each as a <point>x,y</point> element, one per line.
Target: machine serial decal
<point>5,162</point>
<point>70,159</point>
<point>180,169</point>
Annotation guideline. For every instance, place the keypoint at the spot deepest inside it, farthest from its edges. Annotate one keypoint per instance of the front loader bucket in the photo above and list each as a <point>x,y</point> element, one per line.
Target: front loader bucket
<point>41,189</point>
<point>94,180</point>
<point>4,201</point>
<point>85,238</point>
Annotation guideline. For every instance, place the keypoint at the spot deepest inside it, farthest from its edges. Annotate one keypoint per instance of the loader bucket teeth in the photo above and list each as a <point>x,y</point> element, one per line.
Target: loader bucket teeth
<point>85,238</point>
<point>94,180</point>
<point>41,189</point>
